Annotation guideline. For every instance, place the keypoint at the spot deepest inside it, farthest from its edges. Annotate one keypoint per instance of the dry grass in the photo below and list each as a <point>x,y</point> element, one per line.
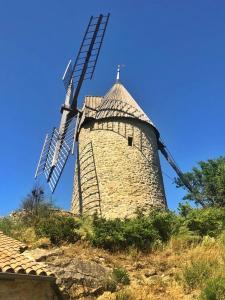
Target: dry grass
<point>170,266</point>
<point>158,275</point>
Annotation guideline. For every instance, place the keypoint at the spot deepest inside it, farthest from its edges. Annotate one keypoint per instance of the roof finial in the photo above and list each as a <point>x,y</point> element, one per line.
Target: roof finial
<point>118,72</point>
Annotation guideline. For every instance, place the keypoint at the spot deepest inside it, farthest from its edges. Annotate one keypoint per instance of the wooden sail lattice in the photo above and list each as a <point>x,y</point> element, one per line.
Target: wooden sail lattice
<point>63,146</point>
<point>87,57</point>
<point>58,146</point>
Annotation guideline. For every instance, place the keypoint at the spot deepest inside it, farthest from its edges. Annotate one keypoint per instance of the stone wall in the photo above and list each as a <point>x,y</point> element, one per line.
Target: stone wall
<point>21,289</point>
<point>117,179</point>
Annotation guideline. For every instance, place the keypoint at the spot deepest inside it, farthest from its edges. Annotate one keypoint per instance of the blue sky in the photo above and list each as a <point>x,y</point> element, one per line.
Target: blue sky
<point>174,52</point>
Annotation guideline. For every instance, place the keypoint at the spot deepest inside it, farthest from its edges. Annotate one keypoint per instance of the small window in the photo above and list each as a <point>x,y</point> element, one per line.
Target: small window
<point>130,141</point>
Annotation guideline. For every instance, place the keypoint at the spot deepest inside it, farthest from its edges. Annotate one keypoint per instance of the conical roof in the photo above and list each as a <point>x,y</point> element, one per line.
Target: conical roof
<point>119,102</point>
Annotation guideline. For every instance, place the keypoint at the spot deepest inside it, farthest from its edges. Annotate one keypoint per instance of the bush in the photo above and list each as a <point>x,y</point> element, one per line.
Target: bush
<point>58,229</point>
<point>110,285</point>
<point>221,237</point>
<point>13,227</point>
<point>85,228</point>
<point>27,235</point>
<point>196,273</point>
<point>214,289</point>
<point>120,275</point>
<point>181,242</point>
<point>166,223</point>
<point>115,235</point>
<point>184,239</point>
<point>124,295</point>
<point>206,221</point>
<point>108,234</point>
<point>142,232</point>
<point>6,225</point>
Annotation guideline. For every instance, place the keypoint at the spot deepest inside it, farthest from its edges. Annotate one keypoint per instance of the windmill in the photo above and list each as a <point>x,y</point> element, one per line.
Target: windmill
<point>60,143</point>
<point>126,175</point>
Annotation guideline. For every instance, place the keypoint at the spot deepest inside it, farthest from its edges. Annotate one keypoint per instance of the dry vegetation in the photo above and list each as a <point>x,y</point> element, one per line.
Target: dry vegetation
<point>183,256</point>
<point>162,255</point>
<point>173,272</point>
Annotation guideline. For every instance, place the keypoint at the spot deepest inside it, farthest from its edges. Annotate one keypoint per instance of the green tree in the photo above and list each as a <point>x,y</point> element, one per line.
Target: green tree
<point>184,209</point>
<point>208,183</point>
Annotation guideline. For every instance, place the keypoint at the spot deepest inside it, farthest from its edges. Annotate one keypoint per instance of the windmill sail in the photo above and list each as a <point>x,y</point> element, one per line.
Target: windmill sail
<point>88,54</point>
<point>173,164</point>
<point>85,63</point>
<point>59,145</point>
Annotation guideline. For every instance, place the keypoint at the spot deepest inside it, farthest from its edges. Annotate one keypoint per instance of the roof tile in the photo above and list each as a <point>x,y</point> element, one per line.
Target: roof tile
<point>12,260</point>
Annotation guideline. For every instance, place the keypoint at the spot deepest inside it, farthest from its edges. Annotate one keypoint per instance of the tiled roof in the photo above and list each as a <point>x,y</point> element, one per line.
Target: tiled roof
<point>119,93</point>
<point>118,102</point>
<point>7,242</point>
<point>13,261</point>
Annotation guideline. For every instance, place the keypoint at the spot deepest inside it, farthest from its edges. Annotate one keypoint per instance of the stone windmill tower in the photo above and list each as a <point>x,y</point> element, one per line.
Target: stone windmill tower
<point>118,168</point>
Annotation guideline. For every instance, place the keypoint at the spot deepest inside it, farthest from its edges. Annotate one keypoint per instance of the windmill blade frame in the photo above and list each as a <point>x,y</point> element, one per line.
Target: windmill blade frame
<point>61,142</point>
<point>173,164</point>
<point>87,57</point>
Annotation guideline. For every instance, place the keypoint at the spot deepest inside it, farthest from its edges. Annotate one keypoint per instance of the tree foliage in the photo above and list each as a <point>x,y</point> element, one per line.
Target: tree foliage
<point>206,221</point>
<point>208,183</point>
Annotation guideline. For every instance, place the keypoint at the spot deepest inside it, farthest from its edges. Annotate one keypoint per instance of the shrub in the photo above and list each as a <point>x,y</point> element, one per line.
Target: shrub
<point>124,295</point>
<point>35,206</point>
<point>196,273</point>
<point>142,232</point>
<point>120,275</point>
<point>58,229</point>
<point>119,234</point>
<point>184,239</point>
<point>85,229</point>
<point>108,234</point>
<point>221,237</point>
<point>139,233</point>
<point>27,235</point>
<point>206,221</point>
<point>6,225</point>
<point>13,227</point>
<point>165,222</point>
<point>181,242</point>
<point>110,285</point>
<point>214,289</point>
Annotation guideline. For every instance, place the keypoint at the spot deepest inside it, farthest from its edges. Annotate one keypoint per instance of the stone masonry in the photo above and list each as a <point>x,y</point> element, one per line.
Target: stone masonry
<point>119,168</point>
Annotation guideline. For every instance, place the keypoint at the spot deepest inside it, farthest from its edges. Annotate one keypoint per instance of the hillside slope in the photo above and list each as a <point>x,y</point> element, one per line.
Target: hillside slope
<point>83,271</point>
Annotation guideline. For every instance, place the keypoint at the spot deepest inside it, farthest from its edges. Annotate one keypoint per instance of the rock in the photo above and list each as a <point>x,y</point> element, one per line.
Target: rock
<point>43,243</point>
<point>79,278</point>
<point>101,259</point>
<point>139,266</point>
<point>106,296</point>
<point>150,272</point>
<point>171,272</point>
<point>43,254</point>
<point>98,259</point>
